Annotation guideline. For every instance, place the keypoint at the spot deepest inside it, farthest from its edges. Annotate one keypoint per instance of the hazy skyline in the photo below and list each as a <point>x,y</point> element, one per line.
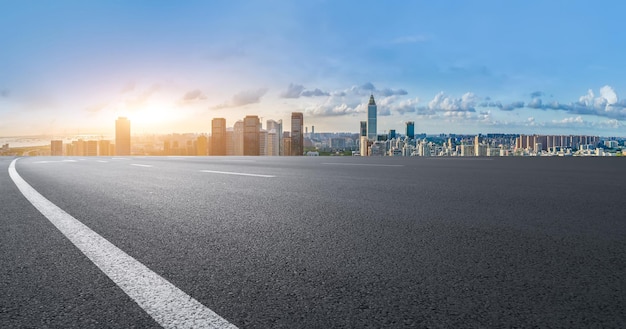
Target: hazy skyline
<point>525,67</point>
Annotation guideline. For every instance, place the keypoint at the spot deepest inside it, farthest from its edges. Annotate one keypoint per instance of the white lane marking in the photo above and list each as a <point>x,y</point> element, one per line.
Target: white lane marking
<point>236,173</point>
<point>460,158</point>
<point>54,161</point>
<point>166,304</point>
<point>141,165</point>
<point>361,164</point>
<point>120,159</point>
<point>102,161</point>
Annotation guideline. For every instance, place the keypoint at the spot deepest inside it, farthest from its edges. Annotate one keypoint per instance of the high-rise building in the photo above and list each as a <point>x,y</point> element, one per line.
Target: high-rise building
<point>56,148</point>
<point>364,145</point>
<point>410,129</point>
<point>122,136</point>
<point>371,119</point>
<point>272,143</point>
<point>286,143</point>
<point>91,148</point>
<point>251,125</point>
<point>392,134</point>
<point>238,138</point>
<point>363,129</point>
<point>202,145</point>
<point>297,138</point>
<point>104,147</point>
<point>230,143</point>
<point>263,142</point>
<point>278,127</point>
<point>218,136</point>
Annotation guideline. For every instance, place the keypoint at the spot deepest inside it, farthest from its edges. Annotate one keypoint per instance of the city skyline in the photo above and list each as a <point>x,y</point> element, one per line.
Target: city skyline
<point>528,67</point>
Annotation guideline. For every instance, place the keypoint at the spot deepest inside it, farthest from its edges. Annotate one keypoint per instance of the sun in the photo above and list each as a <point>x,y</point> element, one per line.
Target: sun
<point>152,117</point>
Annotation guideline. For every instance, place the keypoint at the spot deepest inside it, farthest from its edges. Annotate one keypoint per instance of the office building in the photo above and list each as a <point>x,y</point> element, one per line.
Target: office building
<point>202,145</point>
<point>251,127</point>
<point>364,145</point>
<point>263,142</point>
<point>91,148</point>
<point>392,134</point>
<point>218,136</point>
<point>122,136</point>
<point>56,148</point>
<point>273,143</point>
<point>277,126</point>
<point>371,119</point>
<point>297,138</point>
<point>410,129</point>
<point>104,147</point>
<point>287,143</point>
<point>238,138</point>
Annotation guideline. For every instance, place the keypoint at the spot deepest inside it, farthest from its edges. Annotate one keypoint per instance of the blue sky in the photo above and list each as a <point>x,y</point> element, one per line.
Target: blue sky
<point>545,67</point>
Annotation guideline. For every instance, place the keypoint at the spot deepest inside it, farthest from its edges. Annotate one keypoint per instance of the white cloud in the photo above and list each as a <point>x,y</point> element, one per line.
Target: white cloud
<point>445,103</point>
<point>244,98</point>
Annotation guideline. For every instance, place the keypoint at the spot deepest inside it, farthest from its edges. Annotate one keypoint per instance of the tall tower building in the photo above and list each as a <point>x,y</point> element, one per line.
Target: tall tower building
<point>363,145</point>
<point>371,119</point>
<point>278,127</point>
<point>218,136</point>
<point>410,129</point>
<point>122,136</point>
<point>297,138</point>
<point>363,129</point>
<point>251,145</point>
<point>238,138</point>
<point>263,142</point>
<point>287,143</point>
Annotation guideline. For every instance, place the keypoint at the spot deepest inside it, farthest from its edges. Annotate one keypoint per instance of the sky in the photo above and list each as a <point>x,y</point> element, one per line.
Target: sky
<point>464,67</point>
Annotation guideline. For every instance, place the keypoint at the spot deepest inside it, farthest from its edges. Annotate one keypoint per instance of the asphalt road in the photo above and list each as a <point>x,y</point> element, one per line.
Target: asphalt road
<point>325,242</point>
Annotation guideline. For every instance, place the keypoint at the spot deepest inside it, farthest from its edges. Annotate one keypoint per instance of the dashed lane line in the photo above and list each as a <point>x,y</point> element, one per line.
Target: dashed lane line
<point>236,173</point>
<point>141,165</point>
<point>361,164</point>
<point>164,302</point>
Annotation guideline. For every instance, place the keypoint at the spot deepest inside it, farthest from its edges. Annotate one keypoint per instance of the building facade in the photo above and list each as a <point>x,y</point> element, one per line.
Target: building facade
<point>122,136</point>
<point>218,136</point>
<point>297,136</point>
<point>371,119</point>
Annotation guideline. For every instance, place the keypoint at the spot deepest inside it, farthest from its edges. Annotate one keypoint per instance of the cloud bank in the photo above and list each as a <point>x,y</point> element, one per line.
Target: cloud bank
<point>244,98</point>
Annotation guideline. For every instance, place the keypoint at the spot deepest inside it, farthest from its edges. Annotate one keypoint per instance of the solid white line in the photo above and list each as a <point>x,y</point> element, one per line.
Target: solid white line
<point>361,164</point>
<point>141,165</point>
<point>166,304</point>
<point>236,173</point>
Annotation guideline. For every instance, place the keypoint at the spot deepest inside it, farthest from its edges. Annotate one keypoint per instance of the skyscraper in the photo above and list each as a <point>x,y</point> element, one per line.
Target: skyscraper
<point>371,119</point>
<point>297,138</point>
<point>287,143</point>
<point>251,124</point>
<point>218,136</point>
<point>122,136</point>
<point>363,128</point>
<point>278,127</point>
<point>238,138</point>
<point>410,129</point>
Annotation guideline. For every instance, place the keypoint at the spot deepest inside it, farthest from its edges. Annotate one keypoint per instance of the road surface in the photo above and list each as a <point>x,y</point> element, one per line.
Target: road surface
<point>317,242</point>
